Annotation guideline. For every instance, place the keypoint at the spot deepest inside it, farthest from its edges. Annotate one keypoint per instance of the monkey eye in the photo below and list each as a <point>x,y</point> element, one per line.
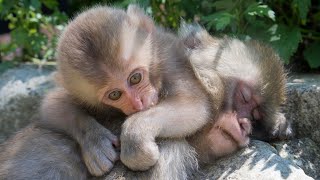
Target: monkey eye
<point>115,95</point>
<point>135,78</point>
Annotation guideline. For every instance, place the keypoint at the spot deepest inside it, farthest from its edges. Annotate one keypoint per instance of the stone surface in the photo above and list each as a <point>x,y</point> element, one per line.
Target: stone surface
<point>258,161</point>
<point>21,90</point>
<point>303,152</point>
<point>303,105</point>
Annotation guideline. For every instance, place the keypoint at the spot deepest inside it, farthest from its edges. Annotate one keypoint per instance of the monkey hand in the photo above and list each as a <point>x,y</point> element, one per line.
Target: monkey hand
<point>99,151</point>
<point>282,128</point>
<point>139,152</point>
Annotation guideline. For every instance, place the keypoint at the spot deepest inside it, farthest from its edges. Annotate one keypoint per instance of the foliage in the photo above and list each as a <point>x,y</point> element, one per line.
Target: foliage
<point>290,27</point>
<point>285,25</point>
<point>32,30</point>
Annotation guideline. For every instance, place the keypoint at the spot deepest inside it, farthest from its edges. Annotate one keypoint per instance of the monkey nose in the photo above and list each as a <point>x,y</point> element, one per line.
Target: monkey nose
<point>137,104</point>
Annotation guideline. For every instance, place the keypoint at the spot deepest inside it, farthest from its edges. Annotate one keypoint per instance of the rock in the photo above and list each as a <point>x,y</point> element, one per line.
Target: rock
<point>258,161</point>
<point>303,105</point>
<point>21,90</point>
<point>303,152</point>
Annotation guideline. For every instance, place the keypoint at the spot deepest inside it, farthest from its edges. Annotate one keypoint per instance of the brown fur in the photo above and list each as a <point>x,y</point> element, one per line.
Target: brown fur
<point>90,54</point>
<point>184,106</point>
<point>244,67</point>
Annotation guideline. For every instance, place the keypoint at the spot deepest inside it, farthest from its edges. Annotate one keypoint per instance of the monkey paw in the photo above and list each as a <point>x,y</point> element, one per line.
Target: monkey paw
<point>282,129</point>
<point>138,156</point>
<point>99,151</point>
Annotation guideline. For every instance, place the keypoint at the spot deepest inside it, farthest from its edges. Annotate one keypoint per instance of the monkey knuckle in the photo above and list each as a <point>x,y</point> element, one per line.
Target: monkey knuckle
<point>114,158</point>
<point>129,124</point>
<point>140,167</point>
<point>112,155</point>
<point>98,166</point>
<point>139,157</point>
<point>96,172</point>
<point>99,157</point>
<point>127,154</point>
<point>106,167</point>
<point>150,154</point>
<point>92,167</point>
<point>128,160</point>
<point>282,131</point>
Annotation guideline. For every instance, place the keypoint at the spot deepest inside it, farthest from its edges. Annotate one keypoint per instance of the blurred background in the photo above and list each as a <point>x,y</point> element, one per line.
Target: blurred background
<point>29,28</point>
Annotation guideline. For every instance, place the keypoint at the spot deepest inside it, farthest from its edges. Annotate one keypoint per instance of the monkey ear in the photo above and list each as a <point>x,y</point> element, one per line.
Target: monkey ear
<point>192,35</point>
<point>138,16</point>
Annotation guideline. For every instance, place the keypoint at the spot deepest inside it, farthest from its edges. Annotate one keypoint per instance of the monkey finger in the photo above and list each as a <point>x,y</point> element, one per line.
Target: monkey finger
<point>98,162</point>
<point>113,138</point>
<point>95,167</point>
<point>282,129</point>
<point>111,153</point>
<point>104,163</point>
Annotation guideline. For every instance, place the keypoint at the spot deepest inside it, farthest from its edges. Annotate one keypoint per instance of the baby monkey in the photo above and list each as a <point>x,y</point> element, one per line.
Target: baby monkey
<point>111,63</point>
<point>115,63</point>
<point>255,86</point>
<point>108,60</point>
<point>253,80</point>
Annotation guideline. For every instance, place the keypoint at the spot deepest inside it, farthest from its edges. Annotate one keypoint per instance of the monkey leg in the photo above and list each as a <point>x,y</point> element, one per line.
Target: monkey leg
<point>36,153</point>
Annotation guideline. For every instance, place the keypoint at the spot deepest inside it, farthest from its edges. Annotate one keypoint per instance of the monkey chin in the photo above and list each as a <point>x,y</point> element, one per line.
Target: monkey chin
<point>229,133</point>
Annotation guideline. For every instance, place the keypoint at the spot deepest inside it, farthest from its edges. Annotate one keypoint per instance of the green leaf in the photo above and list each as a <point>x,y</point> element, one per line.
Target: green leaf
<point>258,29</point>
<point>35,4</point>
<point>51,4</point>
<point>303,7</point>
<point>20,36</point>
<point>6,48</point>
<point>285,40</point>
<point>262,10</point>
<point>32,31</point>
<point>224,5</point>
<point>312,55</point>
<point>11,25</point>
<point>219,20</point>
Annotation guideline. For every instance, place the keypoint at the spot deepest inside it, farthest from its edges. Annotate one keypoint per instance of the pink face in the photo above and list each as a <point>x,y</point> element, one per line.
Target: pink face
<point>129,88</point>
<point>130,93</point>
<point>228,134</point>
<point>232,128</point>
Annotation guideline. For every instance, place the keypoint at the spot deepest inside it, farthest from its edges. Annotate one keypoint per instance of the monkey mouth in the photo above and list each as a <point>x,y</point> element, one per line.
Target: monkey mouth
<point>226,134</point>
<point>237,132</point>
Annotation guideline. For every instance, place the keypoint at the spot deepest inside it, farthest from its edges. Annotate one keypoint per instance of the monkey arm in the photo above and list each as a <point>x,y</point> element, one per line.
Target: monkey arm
<point>59,112</point>
<point>188,107</point>
<point>174,117</point>
<point>171,118</point>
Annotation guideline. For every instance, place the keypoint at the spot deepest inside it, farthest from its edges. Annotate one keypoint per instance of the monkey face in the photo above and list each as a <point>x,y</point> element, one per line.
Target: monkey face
<point>128,86</point>
<point>228,134</point>
<point>130,93</point>
<point>223,136</point>
<point>105,62</point>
